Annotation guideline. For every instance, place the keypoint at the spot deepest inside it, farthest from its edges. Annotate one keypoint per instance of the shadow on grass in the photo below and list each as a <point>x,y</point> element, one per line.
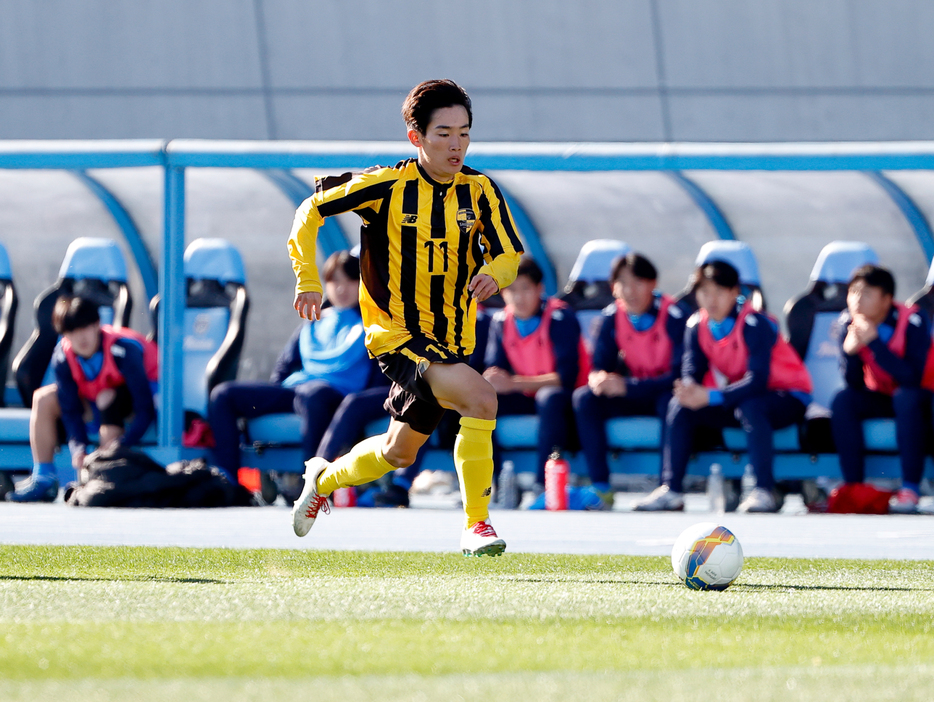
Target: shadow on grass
<point>734,588</point>
<point>837,588</point>
<point>78,578</point>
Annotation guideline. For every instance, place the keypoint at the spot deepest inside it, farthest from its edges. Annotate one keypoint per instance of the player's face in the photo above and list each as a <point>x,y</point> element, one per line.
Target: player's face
<point>441,149</point>
<point>716,300</point>
<point>342,290</point>
<point>86,340</point>
<point>869,301</point>
<point>524,296</point>
<point>637,293</point>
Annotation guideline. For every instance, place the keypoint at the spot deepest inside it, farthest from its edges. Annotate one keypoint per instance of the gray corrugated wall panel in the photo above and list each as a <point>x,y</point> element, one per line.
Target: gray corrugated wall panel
<point>798,43</point>
<point>371,44</point>
<point>497,117</point>
<point>767,117</point>
<point>116,44</point>
<point>60,115</point>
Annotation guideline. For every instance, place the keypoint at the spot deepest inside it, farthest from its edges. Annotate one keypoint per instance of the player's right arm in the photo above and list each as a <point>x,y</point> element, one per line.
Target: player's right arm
<point>333,195</point>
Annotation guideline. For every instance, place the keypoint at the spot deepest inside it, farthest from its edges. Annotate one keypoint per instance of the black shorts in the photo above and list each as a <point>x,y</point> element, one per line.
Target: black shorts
<point>410,398</point>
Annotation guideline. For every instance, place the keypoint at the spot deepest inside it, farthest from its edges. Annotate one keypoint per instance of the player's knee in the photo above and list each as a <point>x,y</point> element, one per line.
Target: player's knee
<point>105,398</point>
<point>484,403</point>
<point>45,400</point>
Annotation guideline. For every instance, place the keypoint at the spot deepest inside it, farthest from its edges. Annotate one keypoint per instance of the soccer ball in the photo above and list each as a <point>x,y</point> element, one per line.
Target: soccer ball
<point>707,556</point>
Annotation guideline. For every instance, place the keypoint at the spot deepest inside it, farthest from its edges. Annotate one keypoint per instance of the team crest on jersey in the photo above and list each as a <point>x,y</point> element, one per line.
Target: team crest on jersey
<point>466,219</point>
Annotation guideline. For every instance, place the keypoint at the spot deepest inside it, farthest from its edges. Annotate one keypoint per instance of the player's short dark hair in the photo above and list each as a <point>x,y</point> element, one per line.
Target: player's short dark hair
<point>530,270</point>
<point>343,260</point>
<point>638,265</point>
<point>74,312</point>
<point>875,276</point>
<point>431,95</point>
<point>719,272</point>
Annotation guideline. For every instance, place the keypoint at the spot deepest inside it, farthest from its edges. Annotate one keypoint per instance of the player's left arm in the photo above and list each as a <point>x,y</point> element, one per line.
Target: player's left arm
<point>128,356</point>
<point>501,241</point>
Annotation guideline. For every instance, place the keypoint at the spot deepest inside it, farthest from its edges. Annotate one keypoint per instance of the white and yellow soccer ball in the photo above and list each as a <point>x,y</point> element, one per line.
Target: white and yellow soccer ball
<point>707,556</point>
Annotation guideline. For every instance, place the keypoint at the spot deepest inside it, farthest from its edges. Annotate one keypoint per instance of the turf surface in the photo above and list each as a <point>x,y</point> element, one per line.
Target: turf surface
<point>111,623</point>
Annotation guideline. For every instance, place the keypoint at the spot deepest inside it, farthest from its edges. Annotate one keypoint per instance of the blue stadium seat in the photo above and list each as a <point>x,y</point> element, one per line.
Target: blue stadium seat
<point>215,319</point>
<point>812,317</point>
<point>588,289</point>
<point>93,268</point>
<point>739,255</point>
<point>813,331</point>
<point>9,302</point>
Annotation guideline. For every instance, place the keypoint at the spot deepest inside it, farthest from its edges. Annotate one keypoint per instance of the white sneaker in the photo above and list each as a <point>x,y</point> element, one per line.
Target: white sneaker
<point>759,500</point>
<point>661,499</point>
<point>481,540</point>
<point>306,507</point>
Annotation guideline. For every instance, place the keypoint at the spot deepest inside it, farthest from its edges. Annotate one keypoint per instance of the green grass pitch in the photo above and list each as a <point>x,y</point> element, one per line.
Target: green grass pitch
<point>81,623</point>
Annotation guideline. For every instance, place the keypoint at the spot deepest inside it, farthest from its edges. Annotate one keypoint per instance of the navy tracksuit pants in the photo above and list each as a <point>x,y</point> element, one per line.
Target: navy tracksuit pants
<point>759,416</point>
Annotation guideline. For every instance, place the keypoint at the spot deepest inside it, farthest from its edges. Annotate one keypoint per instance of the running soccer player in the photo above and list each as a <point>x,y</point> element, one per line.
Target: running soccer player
<point>437,238</point>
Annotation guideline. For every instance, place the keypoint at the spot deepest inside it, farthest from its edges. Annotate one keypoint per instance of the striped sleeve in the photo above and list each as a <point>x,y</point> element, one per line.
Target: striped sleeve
<point>333,196</point>
<point>500,236</point>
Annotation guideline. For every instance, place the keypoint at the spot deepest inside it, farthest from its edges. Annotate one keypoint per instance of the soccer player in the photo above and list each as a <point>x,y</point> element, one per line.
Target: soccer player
<point>533,360</point>
<point>101,372</point>
<point>737,371</point>
<point>437,238</point>
<point>885,346</point>
<point>636,359</point>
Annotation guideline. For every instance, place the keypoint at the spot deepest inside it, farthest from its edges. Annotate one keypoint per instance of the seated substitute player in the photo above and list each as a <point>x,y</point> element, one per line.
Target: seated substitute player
<point>102,376</point>
<point>533,359</point>
<point>737,371</point>
<point>437,239</point>
<point>885,346</point>
<point>636,359</point>
<point>322,362</point>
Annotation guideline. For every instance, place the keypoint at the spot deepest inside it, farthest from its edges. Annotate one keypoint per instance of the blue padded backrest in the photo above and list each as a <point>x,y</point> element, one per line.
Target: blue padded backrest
<point>214,259</point>
<point>88,257</point>
<point>595,259</point>
<point>6,271</point>
<point>838,259</point>
<point>205,330</point>
<point>823,357</point>
<point>736,253</point>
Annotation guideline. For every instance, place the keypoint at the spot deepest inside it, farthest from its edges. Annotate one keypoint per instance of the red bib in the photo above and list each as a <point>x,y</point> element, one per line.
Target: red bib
<point>110,376</point>
<point>647,353</point>
<point>873,375</point>
<point>533,354</point>
<point>729,356</point>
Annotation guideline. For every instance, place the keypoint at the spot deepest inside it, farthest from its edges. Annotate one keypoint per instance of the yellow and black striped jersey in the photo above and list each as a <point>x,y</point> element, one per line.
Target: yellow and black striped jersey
<point>421,244</point>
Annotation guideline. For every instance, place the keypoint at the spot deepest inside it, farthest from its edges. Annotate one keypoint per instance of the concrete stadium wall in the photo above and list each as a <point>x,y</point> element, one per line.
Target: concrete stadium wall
<point>538,70</point>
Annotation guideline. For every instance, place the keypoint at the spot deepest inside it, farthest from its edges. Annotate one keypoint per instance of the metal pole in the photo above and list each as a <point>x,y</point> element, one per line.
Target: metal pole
<point>172,313</point>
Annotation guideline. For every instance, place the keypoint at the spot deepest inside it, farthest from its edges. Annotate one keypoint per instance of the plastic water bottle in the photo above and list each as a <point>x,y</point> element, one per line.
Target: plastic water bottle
<point>716,491</point>
<point>507,497</point>
<point>556,482</point>
<point>748,482</point>
<point>345,497</point>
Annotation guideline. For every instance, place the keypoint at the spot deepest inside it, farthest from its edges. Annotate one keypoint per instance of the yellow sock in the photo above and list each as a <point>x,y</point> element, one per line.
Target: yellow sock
<point>473,459</point>
<point>363,463</point>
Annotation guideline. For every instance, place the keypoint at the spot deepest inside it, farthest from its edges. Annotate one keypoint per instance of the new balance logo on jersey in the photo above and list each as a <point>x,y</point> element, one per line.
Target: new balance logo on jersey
<point>409,219</point>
